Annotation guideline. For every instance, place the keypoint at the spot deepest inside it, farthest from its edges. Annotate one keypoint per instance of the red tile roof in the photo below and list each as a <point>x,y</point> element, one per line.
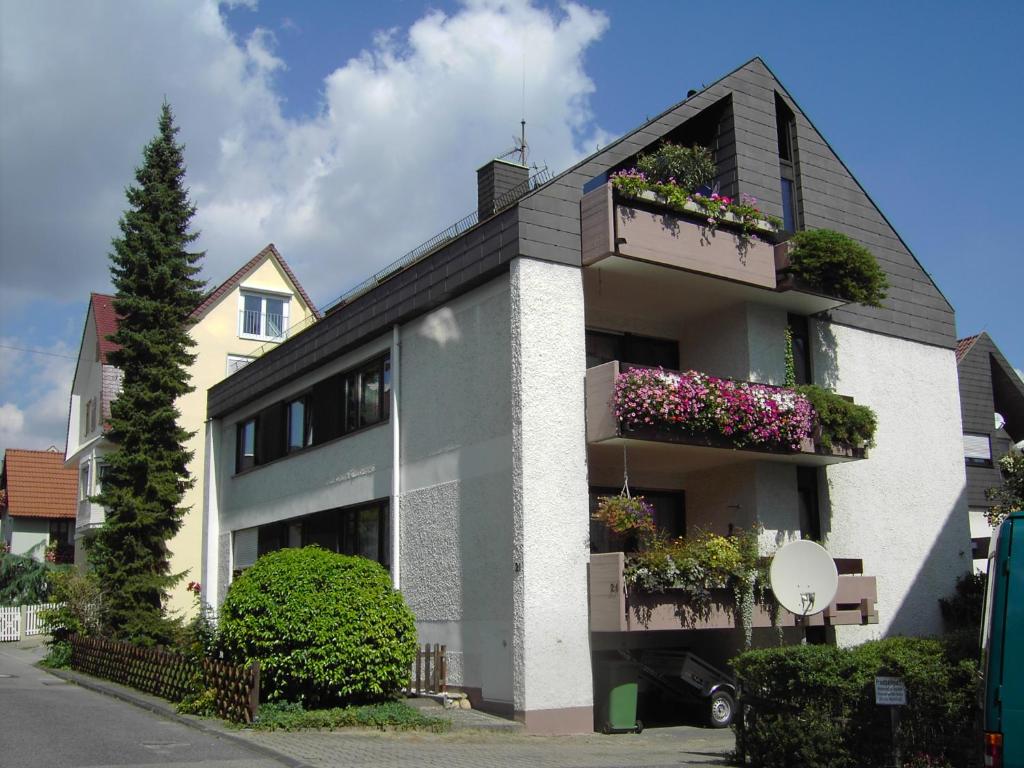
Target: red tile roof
<point>963,346</point>
<point>228,285</point>
<point>38,485</point>
<point>106,323</point>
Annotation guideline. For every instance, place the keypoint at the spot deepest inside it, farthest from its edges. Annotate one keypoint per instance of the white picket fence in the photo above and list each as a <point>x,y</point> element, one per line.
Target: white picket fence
<point>20,621</point>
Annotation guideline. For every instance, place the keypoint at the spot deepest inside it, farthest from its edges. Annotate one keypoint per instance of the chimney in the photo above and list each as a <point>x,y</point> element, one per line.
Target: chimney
<point>495,180</point>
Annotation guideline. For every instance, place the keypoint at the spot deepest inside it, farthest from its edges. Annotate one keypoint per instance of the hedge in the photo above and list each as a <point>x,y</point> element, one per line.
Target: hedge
<point>814,705</point>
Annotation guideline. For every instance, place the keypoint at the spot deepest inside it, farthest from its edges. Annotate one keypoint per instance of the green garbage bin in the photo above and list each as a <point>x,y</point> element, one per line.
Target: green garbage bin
<point>616,696</point>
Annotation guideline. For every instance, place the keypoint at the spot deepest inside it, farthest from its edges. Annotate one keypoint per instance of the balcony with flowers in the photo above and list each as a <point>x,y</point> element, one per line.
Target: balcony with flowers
<point>661,217</point>
<point>691,418</point>
<point>702,581</point>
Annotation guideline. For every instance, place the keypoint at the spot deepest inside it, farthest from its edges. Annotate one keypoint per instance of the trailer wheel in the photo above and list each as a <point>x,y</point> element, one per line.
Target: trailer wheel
<point>721,707</point>
<point>639,726</point>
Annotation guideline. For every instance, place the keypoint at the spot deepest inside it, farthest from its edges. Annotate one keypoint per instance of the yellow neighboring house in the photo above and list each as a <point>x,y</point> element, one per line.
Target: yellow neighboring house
<point>255,309</point>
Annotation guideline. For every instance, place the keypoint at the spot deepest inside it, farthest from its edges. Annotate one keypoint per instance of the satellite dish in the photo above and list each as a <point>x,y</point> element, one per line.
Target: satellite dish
<point>804,578</point>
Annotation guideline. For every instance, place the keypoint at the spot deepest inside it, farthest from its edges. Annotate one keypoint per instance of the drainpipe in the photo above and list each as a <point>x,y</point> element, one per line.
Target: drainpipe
<point>396,466</point>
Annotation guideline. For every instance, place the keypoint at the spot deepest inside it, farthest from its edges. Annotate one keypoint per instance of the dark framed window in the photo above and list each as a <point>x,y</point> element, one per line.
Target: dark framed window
<point>605,346</point>
<point>785,123</point>
<point>807,499</point>
<point>245,449</point>
<point>336,406</point>
<point>669,516</point>
<point>300,425</point>
<point>800,334</point>
<point>360,530</point>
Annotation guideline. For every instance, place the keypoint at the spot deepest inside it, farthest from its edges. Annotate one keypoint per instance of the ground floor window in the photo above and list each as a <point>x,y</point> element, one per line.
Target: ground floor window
<point>360,530</point>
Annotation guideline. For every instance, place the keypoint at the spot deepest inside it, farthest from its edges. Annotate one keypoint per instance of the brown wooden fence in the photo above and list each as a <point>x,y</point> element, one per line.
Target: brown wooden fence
<point>430,674</point>
<point>171,675</point>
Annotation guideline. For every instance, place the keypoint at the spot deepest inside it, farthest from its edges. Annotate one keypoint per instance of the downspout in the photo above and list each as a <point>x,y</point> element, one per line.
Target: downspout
<point>211,518</point>
<point>396,466</point>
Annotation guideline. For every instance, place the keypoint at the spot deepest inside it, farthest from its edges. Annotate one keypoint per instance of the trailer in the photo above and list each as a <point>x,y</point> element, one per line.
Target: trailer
<point>685,675</point>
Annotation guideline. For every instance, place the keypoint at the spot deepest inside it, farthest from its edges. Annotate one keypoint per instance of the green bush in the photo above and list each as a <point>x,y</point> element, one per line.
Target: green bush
<point>837,265</point>
<point>686,167</point>
<point>841,420</point>
<point>76,606</point>
<point>809,705</point>
<point>325,628</point>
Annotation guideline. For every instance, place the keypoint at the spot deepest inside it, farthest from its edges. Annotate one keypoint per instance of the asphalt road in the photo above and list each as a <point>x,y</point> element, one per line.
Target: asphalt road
<point>45,721</point>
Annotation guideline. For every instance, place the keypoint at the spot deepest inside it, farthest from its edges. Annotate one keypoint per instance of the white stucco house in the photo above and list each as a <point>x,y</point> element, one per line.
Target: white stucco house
<point>253,310</point>
<point>453,418</point>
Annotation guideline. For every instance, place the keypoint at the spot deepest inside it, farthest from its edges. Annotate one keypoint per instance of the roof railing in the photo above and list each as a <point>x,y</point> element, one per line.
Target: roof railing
<point>420,252</point>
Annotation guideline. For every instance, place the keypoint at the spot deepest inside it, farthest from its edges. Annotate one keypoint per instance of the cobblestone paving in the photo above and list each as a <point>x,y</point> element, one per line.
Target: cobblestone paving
<point>654,748</point>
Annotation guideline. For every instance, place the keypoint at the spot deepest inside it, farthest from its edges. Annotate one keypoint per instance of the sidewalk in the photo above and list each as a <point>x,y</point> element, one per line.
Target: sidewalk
<point>477,740</point>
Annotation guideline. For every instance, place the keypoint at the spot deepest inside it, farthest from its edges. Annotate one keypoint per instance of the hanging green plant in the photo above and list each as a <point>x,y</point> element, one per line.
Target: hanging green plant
<point>837,265</point>
<point>626,515</point>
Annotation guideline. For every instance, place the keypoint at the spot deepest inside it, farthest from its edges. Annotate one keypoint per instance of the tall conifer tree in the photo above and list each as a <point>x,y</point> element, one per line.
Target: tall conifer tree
<point>155,278</point>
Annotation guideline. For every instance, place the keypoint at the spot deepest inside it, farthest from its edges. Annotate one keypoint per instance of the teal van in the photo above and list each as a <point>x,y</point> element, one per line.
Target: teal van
<point>1002,642</point>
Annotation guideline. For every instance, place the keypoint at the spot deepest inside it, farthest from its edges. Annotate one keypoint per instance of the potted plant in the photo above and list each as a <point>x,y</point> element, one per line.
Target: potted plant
<point>834,264</point>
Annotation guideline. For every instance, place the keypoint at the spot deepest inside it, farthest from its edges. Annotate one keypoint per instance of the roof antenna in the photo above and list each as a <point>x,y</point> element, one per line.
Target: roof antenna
<point>519,145</point>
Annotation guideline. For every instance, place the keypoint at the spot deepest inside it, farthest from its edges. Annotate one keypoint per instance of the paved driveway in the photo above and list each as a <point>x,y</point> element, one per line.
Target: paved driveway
<point>654,748</point>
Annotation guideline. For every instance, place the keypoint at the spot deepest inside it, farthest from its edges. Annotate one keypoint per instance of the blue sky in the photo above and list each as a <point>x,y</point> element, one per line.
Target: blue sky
<point>311,124</point>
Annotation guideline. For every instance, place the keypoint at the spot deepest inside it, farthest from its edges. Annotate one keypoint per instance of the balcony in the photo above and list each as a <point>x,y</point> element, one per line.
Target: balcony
<point>640,238</point>
<point>660,448</point>
<point>89,517</point>
<point>615,607</point>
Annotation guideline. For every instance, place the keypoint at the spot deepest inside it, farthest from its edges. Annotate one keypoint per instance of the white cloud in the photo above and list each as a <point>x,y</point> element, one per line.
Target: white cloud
<point>39,420</point>
<point>387,162</point>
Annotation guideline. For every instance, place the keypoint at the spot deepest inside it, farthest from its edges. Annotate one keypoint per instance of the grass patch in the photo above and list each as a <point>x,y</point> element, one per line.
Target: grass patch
<point>393,715</point>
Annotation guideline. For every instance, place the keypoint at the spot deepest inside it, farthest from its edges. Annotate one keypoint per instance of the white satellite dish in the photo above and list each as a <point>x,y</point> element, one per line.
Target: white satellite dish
<point>804,578</point>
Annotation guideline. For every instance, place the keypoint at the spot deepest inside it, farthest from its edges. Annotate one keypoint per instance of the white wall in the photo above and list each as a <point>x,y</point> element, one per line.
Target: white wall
<point>902,510</point>
<point>29,532</point>
<point>456,485</point>
<point>552,654</point>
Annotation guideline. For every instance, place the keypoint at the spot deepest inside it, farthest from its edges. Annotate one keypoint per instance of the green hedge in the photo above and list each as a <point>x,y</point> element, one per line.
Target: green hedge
<point>813,706</point>
<point>325,628</point>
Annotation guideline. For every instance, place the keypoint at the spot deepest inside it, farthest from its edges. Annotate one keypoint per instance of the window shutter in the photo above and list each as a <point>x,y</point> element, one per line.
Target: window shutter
<point>246,546</point>
<point>977,447</point>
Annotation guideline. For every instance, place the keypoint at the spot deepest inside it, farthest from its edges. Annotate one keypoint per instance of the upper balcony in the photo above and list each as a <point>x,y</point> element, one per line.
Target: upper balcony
<point>616,606</point>
<point>673,430</point>
<point>640,237</point>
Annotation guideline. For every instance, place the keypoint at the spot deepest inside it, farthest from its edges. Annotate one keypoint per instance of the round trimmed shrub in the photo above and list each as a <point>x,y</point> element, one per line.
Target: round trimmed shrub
<point>325,628</point>
<point>837,265</point>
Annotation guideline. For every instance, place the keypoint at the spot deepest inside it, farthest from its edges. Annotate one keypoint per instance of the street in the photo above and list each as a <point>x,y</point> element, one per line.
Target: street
<point>45,721</point>
<point>48,721</point>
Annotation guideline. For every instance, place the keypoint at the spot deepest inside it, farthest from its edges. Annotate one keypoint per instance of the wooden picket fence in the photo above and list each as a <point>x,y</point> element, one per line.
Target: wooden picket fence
<point>430,674</point>
<point>171,675</point>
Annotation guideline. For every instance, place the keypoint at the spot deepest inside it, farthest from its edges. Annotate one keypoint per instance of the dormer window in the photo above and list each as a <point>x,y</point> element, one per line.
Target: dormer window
<point>263,316</point>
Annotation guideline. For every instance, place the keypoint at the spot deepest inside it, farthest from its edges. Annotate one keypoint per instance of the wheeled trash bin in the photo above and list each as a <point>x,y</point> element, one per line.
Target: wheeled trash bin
<point>616,696</point>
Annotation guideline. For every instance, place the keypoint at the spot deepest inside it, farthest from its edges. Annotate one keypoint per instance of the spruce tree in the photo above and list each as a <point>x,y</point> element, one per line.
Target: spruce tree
<point>156,284</point>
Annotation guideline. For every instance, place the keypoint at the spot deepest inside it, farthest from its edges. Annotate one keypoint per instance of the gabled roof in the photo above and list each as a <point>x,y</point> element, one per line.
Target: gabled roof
<point>102,307</point>
<point>38,485</point>
<point>963,346</point>
<point>270,251</point>
<point>980,351</point>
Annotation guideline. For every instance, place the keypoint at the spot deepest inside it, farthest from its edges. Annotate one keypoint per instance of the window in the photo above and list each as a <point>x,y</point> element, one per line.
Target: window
<point>102,469</point>
<point>336,406</point>
<point>807,499</point>
<point>360,530</point>
<point>605,346</point>
<point>246,449</point>
<point>263,316</point>
<point>300,428</point>
<point>237,363</point>
<point>800,335</point>
<point>83,481</point>
<point>784,124</point>
<point>669,516</point>
<point>977,450</point>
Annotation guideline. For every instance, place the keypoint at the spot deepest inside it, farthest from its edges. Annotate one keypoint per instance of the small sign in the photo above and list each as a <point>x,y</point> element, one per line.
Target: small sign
<point>890,692</point>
